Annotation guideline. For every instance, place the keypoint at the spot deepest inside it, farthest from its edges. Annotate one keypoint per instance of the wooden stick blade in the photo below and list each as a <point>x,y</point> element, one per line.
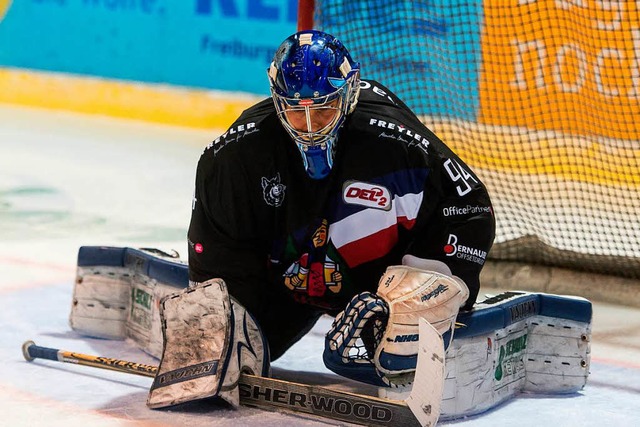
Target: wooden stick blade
<point>426,395</point>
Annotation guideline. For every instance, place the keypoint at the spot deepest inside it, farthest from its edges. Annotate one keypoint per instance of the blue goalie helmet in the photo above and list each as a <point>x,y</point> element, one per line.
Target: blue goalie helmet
<point>314,85</point>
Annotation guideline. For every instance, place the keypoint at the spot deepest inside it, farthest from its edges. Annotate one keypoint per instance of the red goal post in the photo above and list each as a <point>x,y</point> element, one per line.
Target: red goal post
<point>305,14</point>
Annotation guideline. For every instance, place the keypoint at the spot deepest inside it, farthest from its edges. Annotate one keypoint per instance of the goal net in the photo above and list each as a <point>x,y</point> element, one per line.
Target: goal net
<point>540,97</point>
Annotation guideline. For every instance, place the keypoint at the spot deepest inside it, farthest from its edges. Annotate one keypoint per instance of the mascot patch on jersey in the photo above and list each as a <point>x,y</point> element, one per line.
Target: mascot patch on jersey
<point>273,191</point>
<point>315,271</point>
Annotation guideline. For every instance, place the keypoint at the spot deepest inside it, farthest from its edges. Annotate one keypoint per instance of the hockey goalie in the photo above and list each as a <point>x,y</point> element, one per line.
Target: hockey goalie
<point>332,198</point>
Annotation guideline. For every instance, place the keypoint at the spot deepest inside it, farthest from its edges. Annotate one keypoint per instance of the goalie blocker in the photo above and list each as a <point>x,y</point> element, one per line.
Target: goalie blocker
<point>509,343</point>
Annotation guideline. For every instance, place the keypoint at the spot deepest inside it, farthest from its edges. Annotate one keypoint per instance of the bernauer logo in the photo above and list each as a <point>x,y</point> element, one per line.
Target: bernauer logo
<point>4,6</point>
<point>509,357</point>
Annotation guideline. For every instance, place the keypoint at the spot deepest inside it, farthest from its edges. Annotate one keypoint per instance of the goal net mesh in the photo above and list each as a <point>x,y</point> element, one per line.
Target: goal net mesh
<point>540,97</point>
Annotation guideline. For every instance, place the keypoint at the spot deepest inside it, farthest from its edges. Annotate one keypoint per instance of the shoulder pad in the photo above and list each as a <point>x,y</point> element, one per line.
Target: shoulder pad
<point>247,124</point>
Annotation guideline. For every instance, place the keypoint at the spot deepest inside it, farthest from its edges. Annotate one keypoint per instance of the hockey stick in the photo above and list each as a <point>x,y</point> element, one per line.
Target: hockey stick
<point>425,399</point>
<point>268,393</point>
<point>31,351</point>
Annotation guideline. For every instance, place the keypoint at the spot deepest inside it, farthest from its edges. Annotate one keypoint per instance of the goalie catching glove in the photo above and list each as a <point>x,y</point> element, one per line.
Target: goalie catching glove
<point>375,339</point>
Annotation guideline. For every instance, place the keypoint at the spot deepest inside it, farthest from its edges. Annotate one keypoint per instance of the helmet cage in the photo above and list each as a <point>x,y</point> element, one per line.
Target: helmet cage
<point>341,102</point>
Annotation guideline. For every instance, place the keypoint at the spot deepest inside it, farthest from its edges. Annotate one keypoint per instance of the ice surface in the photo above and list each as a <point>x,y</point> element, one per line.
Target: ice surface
<point>69,180</point>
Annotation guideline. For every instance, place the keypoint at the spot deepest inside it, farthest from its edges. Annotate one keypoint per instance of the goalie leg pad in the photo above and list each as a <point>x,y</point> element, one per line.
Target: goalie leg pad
<point>515,342</point>
<point>117,293</point>
<point>208,341</point>
<point>101,302</point>
<point>511,343</point>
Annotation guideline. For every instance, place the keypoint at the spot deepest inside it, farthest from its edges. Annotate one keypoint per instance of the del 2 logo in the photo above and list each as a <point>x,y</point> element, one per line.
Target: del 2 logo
<point>365,194</point>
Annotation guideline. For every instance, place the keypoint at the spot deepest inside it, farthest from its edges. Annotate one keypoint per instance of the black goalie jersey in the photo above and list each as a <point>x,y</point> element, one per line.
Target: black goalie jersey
<point>285,242</point>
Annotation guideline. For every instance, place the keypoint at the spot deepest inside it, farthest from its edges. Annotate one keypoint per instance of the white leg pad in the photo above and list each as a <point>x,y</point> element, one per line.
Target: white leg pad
<point>539,354</point>
<point>117,294</point>
<point>101,302</point>
<point>527,352</point>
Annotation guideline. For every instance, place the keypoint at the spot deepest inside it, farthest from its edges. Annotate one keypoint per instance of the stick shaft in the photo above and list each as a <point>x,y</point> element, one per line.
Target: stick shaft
<point>32,351</point>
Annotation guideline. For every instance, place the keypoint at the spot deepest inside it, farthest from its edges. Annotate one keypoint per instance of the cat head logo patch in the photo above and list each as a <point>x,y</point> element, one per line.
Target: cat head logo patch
<point>273,191</point>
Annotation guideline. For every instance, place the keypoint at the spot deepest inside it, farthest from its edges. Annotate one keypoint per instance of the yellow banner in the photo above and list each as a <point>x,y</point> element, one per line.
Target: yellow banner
<point>4,6</point>
<point>566,65</point>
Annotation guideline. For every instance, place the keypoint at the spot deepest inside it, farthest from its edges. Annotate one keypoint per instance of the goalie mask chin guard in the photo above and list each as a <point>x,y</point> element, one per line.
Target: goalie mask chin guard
<point>314,86</point>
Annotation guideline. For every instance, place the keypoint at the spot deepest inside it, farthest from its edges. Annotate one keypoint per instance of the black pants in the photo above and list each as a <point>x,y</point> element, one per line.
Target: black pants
<point>282,320</point>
